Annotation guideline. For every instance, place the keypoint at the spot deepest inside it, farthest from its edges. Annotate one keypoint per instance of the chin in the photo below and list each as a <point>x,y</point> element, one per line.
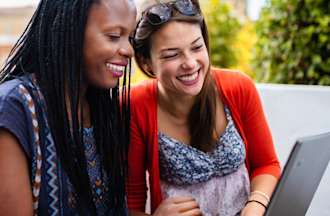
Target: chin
<point>110,85</point>
<point>196,90</point>
<point>104,84</point>
<point>193,92</point>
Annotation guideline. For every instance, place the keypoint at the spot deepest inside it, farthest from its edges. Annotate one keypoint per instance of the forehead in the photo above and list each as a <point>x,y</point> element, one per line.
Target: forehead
<point>120,13</point>
<point>176,33</point>
<point>120,6</point>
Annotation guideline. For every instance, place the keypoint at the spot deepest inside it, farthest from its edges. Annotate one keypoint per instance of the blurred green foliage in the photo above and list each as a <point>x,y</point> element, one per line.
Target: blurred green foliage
<point>293,42</point>
<point>223,29</point>
<point>244,46</point>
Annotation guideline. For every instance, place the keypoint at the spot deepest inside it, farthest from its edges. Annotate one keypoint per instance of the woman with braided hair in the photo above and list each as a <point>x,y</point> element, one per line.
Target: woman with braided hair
<point>63,132</point>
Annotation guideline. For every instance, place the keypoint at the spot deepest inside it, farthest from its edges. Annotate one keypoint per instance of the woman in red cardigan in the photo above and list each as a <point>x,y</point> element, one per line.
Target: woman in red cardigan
<point>200,132</point>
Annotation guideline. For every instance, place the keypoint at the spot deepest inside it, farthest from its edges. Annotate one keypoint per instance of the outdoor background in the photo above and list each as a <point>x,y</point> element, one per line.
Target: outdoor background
<point>273,41</point>
<point>277,41</point>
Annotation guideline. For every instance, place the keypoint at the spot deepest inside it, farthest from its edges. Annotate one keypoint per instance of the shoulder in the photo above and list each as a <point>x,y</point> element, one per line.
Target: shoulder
<point>15,113</point>
<point>144,102</point>
<point>231,78</point>
<point>18,91</point>
<point>10,90</point>
<point>143,89</point>
<point>8,87</point>
<point>233,81</point>
<point>144,93</point>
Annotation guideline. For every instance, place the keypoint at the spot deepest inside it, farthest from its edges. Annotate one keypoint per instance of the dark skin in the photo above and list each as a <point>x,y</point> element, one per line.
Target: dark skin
<point>106,41</point>
<point>14,174</point>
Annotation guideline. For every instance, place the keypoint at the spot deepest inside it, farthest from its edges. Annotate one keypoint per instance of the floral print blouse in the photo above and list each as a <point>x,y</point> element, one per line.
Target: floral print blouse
<point>218,180</point>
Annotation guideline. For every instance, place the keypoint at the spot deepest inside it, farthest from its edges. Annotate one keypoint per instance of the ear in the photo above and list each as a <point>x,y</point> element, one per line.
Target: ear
<point>145,64</point>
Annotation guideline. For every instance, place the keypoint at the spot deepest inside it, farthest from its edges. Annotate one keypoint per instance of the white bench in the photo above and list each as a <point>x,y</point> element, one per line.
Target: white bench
<point>295,111</point>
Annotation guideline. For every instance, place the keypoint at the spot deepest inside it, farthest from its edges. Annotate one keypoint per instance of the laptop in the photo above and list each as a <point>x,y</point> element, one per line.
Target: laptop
<point>301,176</point>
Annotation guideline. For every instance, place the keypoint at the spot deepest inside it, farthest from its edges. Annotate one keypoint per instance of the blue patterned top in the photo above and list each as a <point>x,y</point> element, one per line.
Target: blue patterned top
<point>56,194</point>
<point>193,166</point>
<point>218,180</point>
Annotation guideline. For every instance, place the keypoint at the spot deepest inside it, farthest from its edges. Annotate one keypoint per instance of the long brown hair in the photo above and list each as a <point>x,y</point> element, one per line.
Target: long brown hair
<point>202,116</point>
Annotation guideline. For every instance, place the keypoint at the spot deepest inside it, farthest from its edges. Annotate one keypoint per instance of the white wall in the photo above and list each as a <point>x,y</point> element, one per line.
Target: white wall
<point>295,111</point>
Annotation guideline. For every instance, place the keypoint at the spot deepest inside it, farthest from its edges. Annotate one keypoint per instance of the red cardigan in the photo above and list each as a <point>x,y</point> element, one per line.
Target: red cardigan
<point>238,92</point>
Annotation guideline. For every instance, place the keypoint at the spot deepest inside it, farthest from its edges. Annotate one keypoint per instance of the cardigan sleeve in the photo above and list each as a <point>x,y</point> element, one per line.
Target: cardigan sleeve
<point>136,183</point>
<point>260,149</point>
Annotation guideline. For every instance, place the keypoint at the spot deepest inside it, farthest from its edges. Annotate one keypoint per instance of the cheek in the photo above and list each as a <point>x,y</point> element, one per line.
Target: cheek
<point>97,46</point>
<point>167,71</point>
<point>91,77</point>
<point>206,58</point>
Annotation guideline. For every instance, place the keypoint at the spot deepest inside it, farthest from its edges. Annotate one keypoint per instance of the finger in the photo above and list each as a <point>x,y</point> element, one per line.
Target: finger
<point>187,206</point>
<point>181,199</point>
<point>193,212</point>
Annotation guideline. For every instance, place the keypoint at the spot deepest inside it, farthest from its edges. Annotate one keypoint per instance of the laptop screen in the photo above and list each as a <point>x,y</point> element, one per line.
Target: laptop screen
<point>301,176</point>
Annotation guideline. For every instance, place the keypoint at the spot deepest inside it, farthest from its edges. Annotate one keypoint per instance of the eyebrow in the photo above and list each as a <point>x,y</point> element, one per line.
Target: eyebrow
<point>173,49</point>
<point>117,28</point>
<point>196,40</point>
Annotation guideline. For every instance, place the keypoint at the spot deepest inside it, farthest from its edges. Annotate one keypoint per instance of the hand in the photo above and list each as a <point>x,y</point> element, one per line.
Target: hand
<point>178,206</point>
<point>253,209</point>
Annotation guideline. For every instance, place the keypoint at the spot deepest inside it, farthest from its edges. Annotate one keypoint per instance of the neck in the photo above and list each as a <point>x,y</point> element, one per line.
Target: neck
<point>82,104</point>
<point>176,106</point>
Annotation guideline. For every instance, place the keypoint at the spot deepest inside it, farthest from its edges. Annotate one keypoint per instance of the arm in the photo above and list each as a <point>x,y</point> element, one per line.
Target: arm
<point>180,206</point>
<point>262,158</point>
<point>136,183</point>
<point>15,188</point>
<point>263,162</point>
<point>264,184</point>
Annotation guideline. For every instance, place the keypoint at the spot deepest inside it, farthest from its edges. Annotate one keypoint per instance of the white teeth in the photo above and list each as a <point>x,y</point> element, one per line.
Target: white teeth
<point>189,77</point>
<point>114,67</point>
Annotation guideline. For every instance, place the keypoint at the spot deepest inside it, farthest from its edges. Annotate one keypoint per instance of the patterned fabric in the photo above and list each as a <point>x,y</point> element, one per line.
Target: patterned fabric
<point>98,178</point>
<point>193,166</point>
<point>219,196</point>
<point>29,124</point>
<point>218,180</point>
<point>36,176</point>
<point>238,92</point>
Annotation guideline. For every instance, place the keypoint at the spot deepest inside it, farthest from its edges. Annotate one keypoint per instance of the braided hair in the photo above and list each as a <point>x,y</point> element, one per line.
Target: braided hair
<point>51,47</point>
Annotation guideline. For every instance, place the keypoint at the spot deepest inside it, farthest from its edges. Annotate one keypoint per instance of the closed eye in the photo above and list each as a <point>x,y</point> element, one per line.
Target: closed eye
<point>169,53</point>
<point>169,56</point>
<point>197,48</point>
<point>113,37</point>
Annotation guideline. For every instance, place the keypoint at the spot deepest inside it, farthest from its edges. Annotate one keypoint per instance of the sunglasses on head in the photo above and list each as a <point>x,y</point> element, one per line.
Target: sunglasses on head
<point>162,12</point>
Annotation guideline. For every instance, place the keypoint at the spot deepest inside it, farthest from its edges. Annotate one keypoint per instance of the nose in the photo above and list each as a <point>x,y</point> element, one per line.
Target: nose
<point>126,50</point>
<point>189,62</point>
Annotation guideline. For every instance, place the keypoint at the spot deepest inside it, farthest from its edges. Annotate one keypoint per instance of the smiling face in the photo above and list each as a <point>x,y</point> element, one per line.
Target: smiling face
<point>179,58</point>
<point>106,46</point>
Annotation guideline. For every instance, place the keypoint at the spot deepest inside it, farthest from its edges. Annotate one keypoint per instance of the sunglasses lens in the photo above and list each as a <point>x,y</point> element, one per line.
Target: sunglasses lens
<point>186,7</point>
<point>159,14</point>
